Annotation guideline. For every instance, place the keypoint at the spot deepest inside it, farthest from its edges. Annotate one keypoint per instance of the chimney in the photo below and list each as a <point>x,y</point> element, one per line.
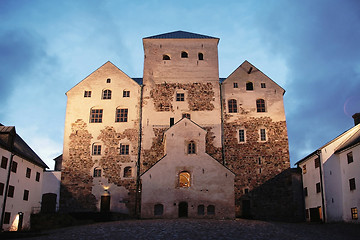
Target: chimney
<point>356,118</point>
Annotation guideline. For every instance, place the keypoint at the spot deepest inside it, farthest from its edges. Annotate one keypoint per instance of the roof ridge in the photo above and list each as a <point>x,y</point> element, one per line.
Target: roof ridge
<point>180,35</point>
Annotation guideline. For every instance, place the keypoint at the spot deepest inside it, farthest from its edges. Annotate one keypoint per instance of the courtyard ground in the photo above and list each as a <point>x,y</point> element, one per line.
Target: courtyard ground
<point>205,229</point>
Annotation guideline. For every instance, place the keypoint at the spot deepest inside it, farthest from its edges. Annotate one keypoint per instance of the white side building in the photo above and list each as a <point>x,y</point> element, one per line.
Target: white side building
<point>331,179</point>
<point>21,174</point>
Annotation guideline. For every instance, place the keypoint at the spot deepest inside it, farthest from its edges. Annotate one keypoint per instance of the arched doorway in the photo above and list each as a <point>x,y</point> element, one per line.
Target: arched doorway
<point>183,209</point>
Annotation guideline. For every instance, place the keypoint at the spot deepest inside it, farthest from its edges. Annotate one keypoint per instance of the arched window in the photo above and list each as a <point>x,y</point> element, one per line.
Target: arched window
<point>166,57</point>
<point>184,179</point>
<point>106,94</point>
<point>232,104</point>
<point>184,54</point>
<point>158,209</point>
<point>260,105</point>
<point>200,56</point>
<point>211,210</point>
<point>249,86</point>
<point>127,172</point>
<point>191,147</point>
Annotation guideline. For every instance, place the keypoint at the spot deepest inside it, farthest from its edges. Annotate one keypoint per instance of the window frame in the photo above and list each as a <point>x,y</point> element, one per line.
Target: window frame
<point>121,115</point>
<point>260,105</point>
<point>350,157</point>
<point>14,166</point>
<point>37,178</point>
<point>317,162</point>
<point>191,147</point>
<point>28,172</point>
<point>186,115</point>
<point>184,54</point>
<point>263,85</point>
<point>124,149</point>
<point>127,172</point>
<point>87,94</point>
<point>187,176</point>
<point>235,85</point>
<point>180,97</point>
<point>200,56</point>
<point>249,86</point>
<point>263,135</point>
<point>96,149</point>
<point>26,195</point>
<point>354,213</point>
<point>242,135</point>
<point>11,191</point>
<point>318,187</point>
<point>97,172</point>
<point>2,188</point>
<point>96,115</point>
<point>126,93</point>
<point>4,162</point>
<point>352,184</point>
<point>232,106</point>
<point>106,94</point>
<point>166,57</point>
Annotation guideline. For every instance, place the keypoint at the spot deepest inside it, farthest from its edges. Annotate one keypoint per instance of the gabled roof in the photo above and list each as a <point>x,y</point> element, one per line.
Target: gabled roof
<point>349,142</point>
<point>20,147</point>
<point>108,63</point>
<point>352,141</point>
<point>180,35</point>
<point>246,62</point>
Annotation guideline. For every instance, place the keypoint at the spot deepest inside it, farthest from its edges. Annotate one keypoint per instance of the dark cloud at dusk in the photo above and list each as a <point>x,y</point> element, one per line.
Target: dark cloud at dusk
<point>310,48</point>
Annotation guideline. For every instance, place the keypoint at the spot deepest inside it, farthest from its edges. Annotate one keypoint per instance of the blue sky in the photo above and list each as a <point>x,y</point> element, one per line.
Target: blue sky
<point>310,48</point>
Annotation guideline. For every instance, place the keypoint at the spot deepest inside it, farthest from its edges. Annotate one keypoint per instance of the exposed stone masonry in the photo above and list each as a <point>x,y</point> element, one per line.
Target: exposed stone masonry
<point>200,96</point>
<point>255,162</point>
<point>150,156</point>
<point>213,151</point>
<point>76,181</point>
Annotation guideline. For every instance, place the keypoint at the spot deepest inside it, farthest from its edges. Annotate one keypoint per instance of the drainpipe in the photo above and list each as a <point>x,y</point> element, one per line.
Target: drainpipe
<point>138,194</point>
<point>6,189</point>
<point>318,153</point>
<point>222,127</point>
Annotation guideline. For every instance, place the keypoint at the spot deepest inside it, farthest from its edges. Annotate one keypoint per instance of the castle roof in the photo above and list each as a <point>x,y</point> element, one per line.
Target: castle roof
<point>19,147</point>
<point>180,35</point>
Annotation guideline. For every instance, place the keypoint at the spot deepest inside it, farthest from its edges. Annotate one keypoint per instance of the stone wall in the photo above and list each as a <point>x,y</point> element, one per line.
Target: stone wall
<point>76,181</point>
<point>200,96</point>
<point>156,151</point>
<point>255,162</point>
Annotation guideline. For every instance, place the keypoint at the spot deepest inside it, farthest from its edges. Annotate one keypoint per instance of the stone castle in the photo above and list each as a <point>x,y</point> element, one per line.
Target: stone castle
<point>178,142</point>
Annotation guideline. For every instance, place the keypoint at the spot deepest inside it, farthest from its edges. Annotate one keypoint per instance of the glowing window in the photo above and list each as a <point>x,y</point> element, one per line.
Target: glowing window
<point>354,213</point>
<point>184,179</point>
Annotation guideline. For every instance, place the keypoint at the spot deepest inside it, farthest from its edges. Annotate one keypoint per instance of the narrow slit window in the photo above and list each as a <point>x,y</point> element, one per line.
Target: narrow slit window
<point>242,135</point>
<point>262,134</point>
<point>200,56</point>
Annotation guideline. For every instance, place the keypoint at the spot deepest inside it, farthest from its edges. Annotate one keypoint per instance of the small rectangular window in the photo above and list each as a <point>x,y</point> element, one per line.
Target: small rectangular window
<point>108,80</point>
<point>263,85</point>
<point>317,162</point>
<point>4,161</point>
<point>96,115</point>
<point>11,191</point>
<point>186,115</point>
<point>236,85</point>
<point>26,195</point>
<point>97,172</point>
<point>262,134</point>
<point>14,167</point>
<point>7,218</point>
<point>37,176</point>
<point>318,187</point>
<point>350,158</point>
<point>2,186</point>
<point>354,213</point>
<point>121,115</point>
<point>352,184</point>
<point>246,190</point>
<point>180,97</point>
<point>241,135</point>
<point>124,149</point>
<point>126,93</point>
<point>172,121</point>
<point>305,192</point>
<point>96,149</point>
<point>28,172</point>
<point>87,94</point>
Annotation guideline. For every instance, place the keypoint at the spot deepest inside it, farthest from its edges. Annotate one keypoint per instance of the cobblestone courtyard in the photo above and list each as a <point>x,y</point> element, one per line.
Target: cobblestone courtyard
<point>205,229</point>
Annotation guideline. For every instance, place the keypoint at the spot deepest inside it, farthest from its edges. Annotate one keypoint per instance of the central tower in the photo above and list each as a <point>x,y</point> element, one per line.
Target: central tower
<point>181,79</point>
